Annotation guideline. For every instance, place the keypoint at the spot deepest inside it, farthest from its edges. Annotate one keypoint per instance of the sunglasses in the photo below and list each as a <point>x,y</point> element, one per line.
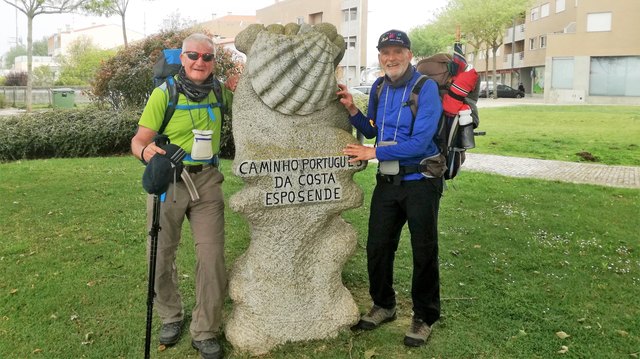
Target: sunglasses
<point>194,55</point>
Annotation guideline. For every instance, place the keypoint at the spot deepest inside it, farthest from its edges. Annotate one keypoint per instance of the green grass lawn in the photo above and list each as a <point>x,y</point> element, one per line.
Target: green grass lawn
<point>521,260</point>
<point>610,134</point>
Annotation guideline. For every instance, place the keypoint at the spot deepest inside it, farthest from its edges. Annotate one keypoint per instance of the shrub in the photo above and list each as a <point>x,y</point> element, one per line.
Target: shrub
<point>227,146</point>
<point>125,80</point>
<point>16,78</point>
<point>66,133</point>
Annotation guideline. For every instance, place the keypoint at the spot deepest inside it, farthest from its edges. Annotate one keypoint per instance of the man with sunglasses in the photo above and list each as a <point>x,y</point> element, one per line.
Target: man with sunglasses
<point>402,193</point>
<point>197,195</point>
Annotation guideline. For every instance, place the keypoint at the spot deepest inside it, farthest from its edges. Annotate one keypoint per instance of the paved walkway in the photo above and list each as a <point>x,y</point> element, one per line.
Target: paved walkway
<point>576,172</point>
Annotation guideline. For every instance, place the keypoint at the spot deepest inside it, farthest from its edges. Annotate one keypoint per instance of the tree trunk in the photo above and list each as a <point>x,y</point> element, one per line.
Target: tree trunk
<point>28,99</point>
<point>495,73</point>
<point>486,71</point>
<point>124,32</point>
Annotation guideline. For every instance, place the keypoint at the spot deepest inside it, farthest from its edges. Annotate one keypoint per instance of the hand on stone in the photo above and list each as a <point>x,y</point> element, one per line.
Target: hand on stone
<point>359,152</point>
<point>346,99</point>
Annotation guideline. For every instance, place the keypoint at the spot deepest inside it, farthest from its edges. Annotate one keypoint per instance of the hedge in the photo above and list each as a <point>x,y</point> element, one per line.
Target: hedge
<point>66,133</point>
<point>77,133</point>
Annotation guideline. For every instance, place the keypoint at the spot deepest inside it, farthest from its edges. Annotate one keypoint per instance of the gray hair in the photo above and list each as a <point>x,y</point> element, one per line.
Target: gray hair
<point>197,38</point>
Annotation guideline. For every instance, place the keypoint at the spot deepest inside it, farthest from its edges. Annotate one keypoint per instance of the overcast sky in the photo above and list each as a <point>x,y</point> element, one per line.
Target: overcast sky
<point>146,17</point>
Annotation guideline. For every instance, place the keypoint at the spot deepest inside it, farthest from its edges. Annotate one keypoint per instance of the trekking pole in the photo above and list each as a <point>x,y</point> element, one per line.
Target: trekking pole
<point>153,251</point>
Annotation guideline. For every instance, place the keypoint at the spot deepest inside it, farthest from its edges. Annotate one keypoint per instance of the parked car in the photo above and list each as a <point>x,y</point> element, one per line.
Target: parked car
<point>483,86</point>
<point>364,89</point>
<point>504,91</point>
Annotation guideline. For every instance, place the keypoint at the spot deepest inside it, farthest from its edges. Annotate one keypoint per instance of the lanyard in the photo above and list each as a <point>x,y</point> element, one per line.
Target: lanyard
<point>384,111</point>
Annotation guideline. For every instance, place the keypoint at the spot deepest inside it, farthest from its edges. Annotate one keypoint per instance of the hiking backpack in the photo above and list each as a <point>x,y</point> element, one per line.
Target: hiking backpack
<point>452,140</point>
<point>167,65</point>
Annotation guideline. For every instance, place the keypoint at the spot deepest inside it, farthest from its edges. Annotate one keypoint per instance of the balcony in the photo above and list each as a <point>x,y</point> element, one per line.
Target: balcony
<point>518,60</point>
<point>519,34</point>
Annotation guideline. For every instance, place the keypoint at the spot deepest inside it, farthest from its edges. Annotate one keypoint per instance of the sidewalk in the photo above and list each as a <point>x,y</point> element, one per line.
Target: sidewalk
<point>576,172</point>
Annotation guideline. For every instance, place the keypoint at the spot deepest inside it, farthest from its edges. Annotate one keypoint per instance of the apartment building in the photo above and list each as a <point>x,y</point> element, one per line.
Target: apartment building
<point>228,26</point>
<point>20,63</point>
<point>107,36</point>
<point>349,17</point>
<point>573,51</point>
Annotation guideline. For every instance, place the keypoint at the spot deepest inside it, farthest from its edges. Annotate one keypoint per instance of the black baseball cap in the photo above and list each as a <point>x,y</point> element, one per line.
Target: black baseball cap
<point>394,37</point>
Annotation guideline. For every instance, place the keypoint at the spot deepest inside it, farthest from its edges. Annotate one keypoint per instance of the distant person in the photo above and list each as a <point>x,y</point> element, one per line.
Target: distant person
<point>521,87</point>
<point>197,196</point>
<point>402,193</point>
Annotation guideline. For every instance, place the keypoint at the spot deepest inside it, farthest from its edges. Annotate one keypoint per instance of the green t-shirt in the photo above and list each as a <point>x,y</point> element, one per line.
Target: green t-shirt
<point>179,129</point>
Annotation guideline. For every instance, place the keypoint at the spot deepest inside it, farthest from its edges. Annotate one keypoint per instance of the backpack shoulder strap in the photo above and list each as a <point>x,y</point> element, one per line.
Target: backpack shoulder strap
<point>413,99</point>
<point>376,89</point>
<point>217,91</point>
<point>171,104</point>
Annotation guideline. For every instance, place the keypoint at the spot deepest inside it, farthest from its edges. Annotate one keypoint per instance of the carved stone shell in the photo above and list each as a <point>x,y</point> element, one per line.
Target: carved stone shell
<point>293,74</point>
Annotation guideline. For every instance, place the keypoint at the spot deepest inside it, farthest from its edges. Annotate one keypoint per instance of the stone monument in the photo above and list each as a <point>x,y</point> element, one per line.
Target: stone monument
<point>289,129</point>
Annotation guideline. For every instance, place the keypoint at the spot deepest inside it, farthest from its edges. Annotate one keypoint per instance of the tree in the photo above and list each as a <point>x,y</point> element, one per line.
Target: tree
<point>10,56</point>
<point>109,8</point>
<point>175,22</point>
<point>33,8</point>
<point>81,63</point>
<point>472,17</point>
<point>43,76</point>
<point>39,49</point>
<point>430,39</point>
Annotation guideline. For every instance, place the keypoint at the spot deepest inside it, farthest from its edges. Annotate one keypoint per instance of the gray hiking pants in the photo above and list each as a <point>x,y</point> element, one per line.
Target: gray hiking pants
<point>206,217</point>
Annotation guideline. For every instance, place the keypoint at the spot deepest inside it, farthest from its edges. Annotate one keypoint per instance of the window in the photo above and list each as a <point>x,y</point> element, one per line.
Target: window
<point>544,10</point>
<point>532,43</point>
<point>300,20</point>
<point>543,41</point>
<point>560,6</point>
<point>600,21</point>
<point>615,76</point>
<point>562,75</point>
<point>350,42</point>
<point>534,14</point>
<point>315,18</point>
<point>350,14</point>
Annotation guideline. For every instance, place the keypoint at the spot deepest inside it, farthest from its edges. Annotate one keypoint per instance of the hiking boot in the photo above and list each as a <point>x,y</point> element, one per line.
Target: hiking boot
<point>417,334</point>
<point>376,316</point>
<point>208,348</point>
<point>170,333</point>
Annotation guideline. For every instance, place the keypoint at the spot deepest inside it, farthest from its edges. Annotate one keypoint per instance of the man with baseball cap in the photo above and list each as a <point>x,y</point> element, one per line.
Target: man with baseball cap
<point>401,194</point>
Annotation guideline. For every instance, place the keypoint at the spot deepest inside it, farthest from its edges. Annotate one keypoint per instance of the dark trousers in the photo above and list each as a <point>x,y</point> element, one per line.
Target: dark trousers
<point>392,205</point>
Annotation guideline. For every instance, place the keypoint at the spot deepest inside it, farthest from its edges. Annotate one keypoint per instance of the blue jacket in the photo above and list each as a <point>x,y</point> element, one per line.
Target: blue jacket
<point>393,120</point>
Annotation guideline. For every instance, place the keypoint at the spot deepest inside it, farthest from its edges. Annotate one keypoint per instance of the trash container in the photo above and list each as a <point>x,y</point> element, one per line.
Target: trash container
<point>63,98</point>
